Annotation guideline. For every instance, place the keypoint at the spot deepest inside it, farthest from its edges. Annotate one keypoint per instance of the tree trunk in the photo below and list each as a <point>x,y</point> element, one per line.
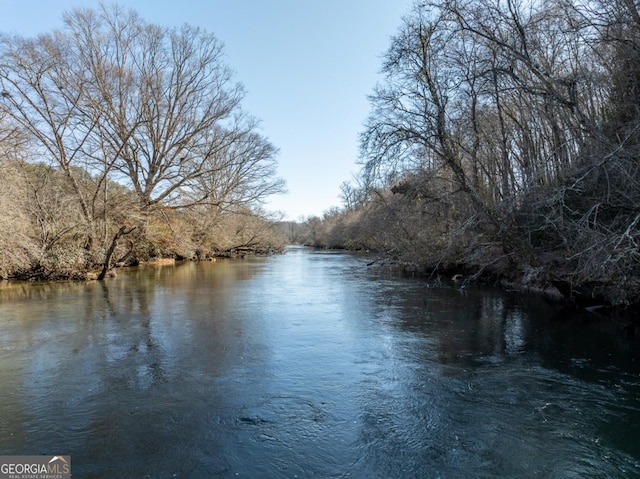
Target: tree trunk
<point>114,242</point>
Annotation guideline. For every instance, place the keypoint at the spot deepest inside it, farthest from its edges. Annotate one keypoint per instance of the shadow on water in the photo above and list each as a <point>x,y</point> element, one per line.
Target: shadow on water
<point>310,364</point>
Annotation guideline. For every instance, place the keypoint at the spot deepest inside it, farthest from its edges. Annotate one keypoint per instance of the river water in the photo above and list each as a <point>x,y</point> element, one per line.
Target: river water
<point>311,365</point>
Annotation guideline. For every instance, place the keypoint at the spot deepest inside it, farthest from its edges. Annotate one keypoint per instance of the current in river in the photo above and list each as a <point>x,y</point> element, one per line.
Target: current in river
<point>312,364</point>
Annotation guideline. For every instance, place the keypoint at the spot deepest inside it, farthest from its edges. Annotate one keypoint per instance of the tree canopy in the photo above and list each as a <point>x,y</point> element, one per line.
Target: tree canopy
<point>503,141</point>
<point>138,119</point>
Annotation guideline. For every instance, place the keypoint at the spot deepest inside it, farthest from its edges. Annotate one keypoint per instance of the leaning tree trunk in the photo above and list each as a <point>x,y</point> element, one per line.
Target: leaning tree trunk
<point>114,242</point>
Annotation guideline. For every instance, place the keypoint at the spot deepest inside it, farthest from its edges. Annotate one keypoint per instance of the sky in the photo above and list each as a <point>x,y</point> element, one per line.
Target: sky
<point>307,67</point>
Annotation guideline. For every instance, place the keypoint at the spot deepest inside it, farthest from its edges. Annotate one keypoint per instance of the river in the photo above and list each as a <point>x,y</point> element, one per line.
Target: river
<point>311,365</point>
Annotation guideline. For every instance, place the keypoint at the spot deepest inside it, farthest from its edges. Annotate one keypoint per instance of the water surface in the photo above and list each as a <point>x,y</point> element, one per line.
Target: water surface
<point>311,365</point>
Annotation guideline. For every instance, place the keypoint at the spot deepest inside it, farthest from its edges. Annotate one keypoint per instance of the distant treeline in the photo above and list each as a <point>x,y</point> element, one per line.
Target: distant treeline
<point>121,141</point>
<point>503,142</point>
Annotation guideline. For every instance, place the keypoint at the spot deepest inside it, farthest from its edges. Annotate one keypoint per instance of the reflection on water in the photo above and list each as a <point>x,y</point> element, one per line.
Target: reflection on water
<point>310,364</point>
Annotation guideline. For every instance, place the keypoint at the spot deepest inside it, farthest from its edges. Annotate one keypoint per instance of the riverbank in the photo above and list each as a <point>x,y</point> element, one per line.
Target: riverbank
<point>554,286</point>
<point>41,273</point>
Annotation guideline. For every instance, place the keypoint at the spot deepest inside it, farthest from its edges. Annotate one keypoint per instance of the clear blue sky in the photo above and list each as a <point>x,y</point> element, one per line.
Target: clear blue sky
<point>307,66</point>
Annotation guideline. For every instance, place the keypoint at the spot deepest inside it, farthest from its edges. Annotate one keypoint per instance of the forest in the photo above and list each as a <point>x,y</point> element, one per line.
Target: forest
<point>502,145</point>
<point>123,141</point>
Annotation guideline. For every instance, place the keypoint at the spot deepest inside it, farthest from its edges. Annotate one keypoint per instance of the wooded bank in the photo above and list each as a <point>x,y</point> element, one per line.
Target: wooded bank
<point>503,143</point>
<point>122,141</point>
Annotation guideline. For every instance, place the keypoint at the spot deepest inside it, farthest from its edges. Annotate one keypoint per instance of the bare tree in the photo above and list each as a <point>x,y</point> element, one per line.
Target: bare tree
<point>42,95</point>
<point>241,174</point>
<point>119,105</point>
<point>511,127</point>
<point>165,97</point>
